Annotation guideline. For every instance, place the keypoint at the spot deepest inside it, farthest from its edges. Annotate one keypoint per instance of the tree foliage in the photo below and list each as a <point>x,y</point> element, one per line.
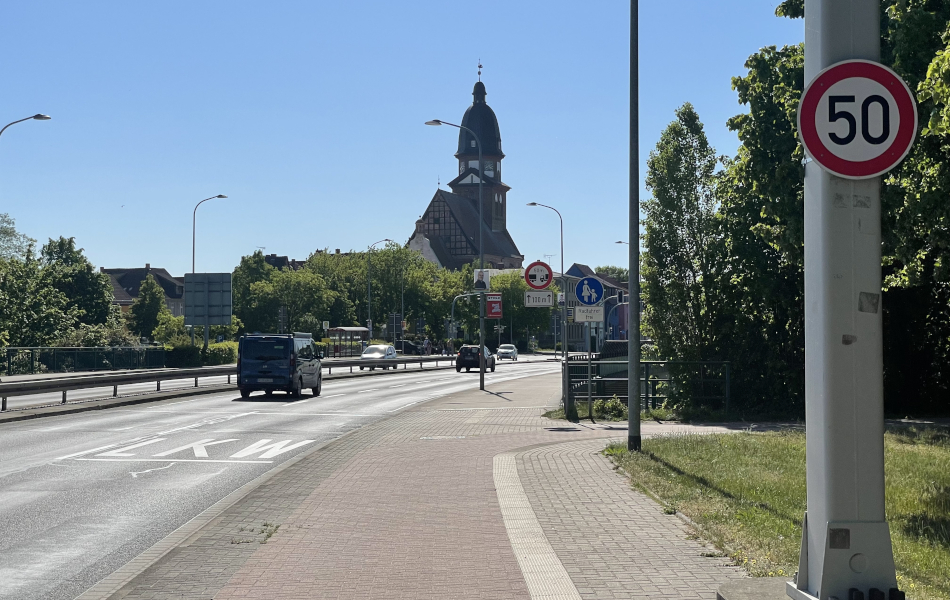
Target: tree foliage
<point>88,291</point>
<point>148,308</point>
<point>678,268</point>
<point>13,244</point>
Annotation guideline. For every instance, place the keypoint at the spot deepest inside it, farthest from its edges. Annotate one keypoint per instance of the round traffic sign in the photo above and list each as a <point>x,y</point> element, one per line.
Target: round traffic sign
<point>857,119</point>
<point>589,291</point>
<point>538,275</point>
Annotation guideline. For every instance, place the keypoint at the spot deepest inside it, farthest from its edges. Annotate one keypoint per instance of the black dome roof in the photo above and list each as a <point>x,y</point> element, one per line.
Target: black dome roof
<point>481,119</point>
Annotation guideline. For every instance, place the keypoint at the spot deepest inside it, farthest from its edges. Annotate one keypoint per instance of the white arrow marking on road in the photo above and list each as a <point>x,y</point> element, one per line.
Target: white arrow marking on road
<point>135,474</point>
<point>269,450</point>
<point>198,447</point>
<point>123,451</point>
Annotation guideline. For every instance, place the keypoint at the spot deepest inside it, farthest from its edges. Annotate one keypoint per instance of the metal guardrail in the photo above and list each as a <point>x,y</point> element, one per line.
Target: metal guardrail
<point>86,381</point>
<point>30,360</point>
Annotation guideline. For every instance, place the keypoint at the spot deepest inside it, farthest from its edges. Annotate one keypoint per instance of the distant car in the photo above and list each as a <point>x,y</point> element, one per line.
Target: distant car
<point>379,352</point>
<point>408,348</point>
<point>468,358</point>
<point>507,351</point>
<point>284,362</point>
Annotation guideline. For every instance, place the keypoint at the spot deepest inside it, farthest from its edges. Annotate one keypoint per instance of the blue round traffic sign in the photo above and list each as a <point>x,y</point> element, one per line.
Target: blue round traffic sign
<point>589,291</point>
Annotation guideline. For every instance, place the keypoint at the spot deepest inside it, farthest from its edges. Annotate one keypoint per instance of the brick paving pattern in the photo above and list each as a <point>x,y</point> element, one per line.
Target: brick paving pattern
<point>407,508</point>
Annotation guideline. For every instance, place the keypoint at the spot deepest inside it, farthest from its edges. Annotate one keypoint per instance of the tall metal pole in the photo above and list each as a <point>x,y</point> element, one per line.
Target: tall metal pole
<point>481,252</point>
<point>194,217</point>
<point>633,338</point>
<point>369,288</point>
<point>846,542</point>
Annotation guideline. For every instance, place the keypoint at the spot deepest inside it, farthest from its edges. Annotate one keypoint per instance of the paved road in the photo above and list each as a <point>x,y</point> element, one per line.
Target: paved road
<point>82,494</point>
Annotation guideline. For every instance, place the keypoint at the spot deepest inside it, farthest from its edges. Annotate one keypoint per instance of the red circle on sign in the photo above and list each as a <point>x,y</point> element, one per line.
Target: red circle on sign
<point>893,154</point>
<point>541,285</point>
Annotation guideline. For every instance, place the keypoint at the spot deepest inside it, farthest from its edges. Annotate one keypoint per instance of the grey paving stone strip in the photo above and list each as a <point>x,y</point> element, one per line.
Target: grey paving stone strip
<point>543,572</point>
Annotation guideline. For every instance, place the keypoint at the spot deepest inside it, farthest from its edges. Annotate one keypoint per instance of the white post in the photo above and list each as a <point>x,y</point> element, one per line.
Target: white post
<point>846,543</point>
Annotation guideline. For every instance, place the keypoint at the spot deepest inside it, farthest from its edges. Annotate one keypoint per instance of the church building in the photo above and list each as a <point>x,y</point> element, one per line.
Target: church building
<point>447,233</point>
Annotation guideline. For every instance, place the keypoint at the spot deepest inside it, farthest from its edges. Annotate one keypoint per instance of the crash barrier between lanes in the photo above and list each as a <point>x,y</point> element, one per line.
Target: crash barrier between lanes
<point>29,360</point>
<point>79,382</point>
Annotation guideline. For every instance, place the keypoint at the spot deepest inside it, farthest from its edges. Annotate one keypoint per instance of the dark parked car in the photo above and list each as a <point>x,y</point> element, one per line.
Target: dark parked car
<point>408,348</point>
<point>283,362</point>
<point>468,358</point>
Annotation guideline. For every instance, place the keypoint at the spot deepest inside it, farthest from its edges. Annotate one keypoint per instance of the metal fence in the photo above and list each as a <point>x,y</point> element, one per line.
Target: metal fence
<point>22,361</point>
<point>705,382</point>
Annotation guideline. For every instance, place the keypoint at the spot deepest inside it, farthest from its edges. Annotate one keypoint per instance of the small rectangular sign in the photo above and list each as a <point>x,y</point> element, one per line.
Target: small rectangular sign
<point>588,314</point>
<point>207,299</point>
<point>493,306</point>
<point>539,299</point>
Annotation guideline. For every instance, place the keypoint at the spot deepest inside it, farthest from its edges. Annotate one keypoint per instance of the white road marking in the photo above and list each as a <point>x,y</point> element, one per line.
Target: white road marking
<point>400,385</point>
<point>86,452</point>
<point>269,450</point>
<point>189,460</point>
<point>123,428</point>
<point>294,402</point>
<point>369,390</point>
<point>199,447</point>
<point>122,451</point>
<point>135,474</point>
<point>333,396</point>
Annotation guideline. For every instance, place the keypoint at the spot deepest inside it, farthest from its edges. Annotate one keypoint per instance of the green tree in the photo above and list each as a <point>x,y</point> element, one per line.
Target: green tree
<point>252,269</point>
<point>109,334</point>
<point>32,312</point>
<point>146,311</point>
<point>13,244</point>
<point>681,241</point>
<point>88,291</point>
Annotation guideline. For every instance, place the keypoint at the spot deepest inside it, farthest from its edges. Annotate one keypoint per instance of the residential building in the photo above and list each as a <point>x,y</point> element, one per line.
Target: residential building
<point>126,284</point>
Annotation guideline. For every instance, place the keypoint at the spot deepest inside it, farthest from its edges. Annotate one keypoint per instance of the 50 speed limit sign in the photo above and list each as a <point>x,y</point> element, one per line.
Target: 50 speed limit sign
<point>857,119</point>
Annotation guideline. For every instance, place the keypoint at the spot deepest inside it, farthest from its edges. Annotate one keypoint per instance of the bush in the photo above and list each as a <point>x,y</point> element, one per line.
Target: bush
<point>224,353</point>
<point>612,409</point>
<point>183,357</point>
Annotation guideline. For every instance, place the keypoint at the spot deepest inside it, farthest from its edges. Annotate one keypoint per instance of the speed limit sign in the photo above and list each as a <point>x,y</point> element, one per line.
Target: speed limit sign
<point>857,119</point>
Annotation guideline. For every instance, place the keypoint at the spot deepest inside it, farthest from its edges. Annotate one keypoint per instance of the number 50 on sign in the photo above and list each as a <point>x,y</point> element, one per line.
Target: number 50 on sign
<point>857,119</point>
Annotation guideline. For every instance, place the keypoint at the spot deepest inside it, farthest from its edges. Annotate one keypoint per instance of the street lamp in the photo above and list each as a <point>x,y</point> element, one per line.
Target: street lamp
<point>569,409</point>
<point>481,252</point>
<point>194,215</point>
<point>369,289</point>
<point>36,117</point>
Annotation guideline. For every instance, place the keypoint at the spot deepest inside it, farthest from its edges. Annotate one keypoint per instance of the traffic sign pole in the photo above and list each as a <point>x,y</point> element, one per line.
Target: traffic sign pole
<point>845,541</point>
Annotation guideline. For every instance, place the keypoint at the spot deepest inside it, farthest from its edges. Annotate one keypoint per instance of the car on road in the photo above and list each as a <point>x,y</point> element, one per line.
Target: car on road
<point>378,352</point>
<point>468,358</point>
<point>282,362</point>
<point>408,348</point>
<point>507,351</point>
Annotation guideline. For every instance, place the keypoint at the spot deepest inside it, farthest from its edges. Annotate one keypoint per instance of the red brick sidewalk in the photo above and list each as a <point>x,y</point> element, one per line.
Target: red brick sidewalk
<point>408,508</point>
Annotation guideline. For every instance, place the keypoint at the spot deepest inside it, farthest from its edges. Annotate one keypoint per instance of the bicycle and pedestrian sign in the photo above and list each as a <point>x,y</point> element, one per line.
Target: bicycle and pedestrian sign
<point>857,119</point>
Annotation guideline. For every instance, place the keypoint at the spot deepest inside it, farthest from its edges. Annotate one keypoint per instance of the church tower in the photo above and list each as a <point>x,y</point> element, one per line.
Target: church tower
<point>480,118</point>
<point>451,233</point>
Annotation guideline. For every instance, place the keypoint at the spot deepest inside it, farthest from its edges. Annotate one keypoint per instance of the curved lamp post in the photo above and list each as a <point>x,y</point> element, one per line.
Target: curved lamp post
<point>194,215</point>
<point>570,410</point>
<point>481,252</point>
<point>369,289</point>
<point>36,117</point>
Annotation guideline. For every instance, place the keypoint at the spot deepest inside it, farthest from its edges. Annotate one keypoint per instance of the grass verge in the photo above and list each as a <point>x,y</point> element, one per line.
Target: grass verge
<point>746,491</point>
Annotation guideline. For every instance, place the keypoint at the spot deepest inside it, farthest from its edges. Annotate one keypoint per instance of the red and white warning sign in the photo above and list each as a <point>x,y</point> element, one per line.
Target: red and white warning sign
<point>857,119</point>
<point>493,306</point>
<point>538,275</point>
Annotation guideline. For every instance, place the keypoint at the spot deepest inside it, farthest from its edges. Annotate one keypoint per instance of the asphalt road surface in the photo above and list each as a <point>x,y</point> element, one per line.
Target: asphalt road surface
<point>82,494</point>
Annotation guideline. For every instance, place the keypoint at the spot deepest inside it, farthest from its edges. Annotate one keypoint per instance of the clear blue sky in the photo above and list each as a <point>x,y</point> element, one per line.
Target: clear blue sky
<point>309,115</point>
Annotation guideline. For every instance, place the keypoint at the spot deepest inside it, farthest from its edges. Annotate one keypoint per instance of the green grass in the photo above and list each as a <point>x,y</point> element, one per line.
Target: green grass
<point>746,491</point>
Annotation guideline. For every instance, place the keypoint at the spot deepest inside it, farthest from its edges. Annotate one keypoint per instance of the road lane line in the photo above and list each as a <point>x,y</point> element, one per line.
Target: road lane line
<point>369,390</point>
<point>135,474</point>
<point>193,460</point>
<point>86,452</point>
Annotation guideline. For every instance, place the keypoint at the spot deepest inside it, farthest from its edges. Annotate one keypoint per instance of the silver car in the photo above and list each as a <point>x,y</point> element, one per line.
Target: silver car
<point>507,351</point>
<point>379,352</point>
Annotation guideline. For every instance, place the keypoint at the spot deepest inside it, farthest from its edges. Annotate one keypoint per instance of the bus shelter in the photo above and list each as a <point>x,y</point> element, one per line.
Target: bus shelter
<point>347,341</point>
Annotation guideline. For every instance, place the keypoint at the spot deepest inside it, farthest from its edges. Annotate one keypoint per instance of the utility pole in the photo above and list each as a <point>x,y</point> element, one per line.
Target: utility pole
<point>633,343</point>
